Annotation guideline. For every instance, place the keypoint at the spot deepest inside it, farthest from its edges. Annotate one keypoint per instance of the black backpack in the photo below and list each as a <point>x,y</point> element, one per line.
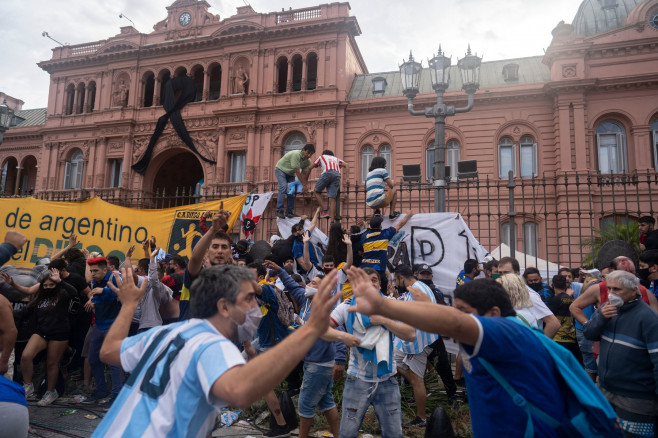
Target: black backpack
<point>282,250</point>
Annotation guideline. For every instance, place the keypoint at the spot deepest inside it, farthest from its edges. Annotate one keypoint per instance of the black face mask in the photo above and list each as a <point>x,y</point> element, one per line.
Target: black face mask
<point>300,238</point>
<point>644,274</point>
<point>536,286</point>
<point>170,271</point>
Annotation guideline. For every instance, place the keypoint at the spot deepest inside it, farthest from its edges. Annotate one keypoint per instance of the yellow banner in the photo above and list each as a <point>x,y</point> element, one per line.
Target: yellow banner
<point>104,227</point>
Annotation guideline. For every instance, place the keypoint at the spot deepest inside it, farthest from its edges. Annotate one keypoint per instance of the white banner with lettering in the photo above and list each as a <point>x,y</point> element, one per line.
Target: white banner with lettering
<point>443,241</point>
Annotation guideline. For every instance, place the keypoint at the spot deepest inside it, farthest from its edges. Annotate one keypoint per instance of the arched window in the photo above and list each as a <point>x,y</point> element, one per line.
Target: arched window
<point>294,141</point>
<point>367,154</point>
<point>215,82</point>
<point>197,77</point>
<point>654,142</point>
<point>80,101</point>
<point>506,157</point>
<point>149,89</point>
<point>311,71</point>
<point>528,157</point>
<point>92,97</point>
<point>505,234</point>
<point>282,77</point>
<point>69,96</point>
<point>73,171</point>
<point>386,153</point>
<point>297,67</point>
<point>530,239</point>
<point>611,147</point>
<point>165,76</point>
<point>453,154</point>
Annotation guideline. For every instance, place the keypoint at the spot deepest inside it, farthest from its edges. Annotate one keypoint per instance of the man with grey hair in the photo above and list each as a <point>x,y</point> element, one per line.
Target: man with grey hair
<point>628,362</point>
<point>191,368</point>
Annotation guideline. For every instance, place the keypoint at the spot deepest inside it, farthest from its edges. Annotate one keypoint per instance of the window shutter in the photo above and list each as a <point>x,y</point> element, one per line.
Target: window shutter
<point>67,175</point>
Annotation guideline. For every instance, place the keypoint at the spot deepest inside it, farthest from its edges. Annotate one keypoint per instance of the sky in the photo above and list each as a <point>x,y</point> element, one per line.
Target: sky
<point>496,29</point>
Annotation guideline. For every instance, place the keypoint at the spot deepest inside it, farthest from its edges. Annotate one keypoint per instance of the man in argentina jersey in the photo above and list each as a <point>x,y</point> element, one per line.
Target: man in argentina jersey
<point>181,373</point>
<point>371,381</point>
<point>411,357</point>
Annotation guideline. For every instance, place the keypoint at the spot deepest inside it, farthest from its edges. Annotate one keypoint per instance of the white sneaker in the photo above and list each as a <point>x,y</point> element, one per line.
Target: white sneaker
<point>48,398</point>
<point>29,390</point>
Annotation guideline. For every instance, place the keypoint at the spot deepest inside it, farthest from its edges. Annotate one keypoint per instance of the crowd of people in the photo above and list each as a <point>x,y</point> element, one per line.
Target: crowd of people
<point>184,338</point>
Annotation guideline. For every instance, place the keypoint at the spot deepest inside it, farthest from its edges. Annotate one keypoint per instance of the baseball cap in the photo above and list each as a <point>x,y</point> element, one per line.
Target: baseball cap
<point>593,272</point>
<point>424,268</point>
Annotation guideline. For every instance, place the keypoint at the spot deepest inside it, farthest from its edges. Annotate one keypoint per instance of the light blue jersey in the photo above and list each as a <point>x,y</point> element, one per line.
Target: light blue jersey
<point>172,371</point>
<point>423,339</point>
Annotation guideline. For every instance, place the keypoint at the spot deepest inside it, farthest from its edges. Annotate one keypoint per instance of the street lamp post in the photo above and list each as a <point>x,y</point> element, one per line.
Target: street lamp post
<point>439,68</point>
<point>6,116</point>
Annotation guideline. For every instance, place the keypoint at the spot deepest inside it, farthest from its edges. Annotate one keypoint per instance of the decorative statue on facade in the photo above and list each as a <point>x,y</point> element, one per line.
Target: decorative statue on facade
<point>120,95</point>
<point>240,80</point>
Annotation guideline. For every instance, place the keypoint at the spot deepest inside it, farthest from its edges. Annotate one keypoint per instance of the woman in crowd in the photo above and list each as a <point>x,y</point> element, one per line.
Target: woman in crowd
<point>520,297</point>
<point>49,308</point>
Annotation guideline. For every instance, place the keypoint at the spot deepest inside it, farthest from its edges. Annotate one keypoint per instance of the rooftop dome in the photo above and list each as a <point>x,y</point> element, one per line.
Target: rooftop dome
<point>595,16</point>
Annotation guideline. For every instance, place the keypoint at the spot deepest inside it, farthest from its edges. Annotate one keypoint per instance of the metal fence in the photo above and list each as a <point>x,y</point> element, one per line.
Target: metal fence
<point>548,217</point>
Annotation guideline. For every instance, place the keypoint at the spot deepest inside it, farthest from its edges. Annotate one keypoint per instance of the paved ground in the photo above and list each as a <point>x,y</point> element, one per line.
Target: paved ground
<point>65,418</point>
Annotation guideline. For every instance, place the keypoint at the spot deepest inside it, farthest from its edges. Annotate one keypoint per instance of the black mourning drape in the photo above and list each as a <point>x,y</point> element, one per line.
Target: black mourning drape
<point>172,106</point>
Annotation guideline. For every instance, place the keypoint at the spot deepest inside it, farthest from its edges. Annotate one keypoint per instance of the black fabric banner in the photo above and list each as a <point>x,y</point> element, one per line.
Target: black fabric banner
<point>172,106</point>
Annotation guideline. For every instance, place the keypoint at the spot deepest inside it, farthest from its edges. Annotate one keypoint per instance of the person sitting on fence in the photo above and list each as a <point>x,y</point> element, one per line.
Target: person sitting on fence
<point>377,197</point>
<point>294,163</point>
<point>329,179</point>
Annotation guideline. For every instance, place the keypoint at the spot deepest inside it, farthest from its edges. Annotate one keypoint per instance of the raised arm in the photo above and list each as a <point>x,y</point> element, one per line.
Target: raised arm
<point>73,240</point>
<point>350,255</point>
<point>444,320</point>
<point>306,259</point>
<point>14,241</point>
<point>586,299</point>
<point>219,220</point>
<point>27,290</point>
<point>404,221</point>
<point>314,221</point>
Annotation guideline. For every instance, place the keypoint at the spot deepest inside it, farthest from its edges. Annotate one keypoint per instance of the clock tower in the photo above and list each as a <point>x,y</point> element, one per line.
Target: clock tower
<point>187,14</point>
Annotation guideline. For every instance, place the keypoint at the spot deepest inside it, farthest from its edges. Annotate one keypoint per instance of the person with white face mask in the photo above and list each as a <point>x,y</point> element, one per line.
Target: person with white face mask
<point>194,363</point>
<point>628,362</point>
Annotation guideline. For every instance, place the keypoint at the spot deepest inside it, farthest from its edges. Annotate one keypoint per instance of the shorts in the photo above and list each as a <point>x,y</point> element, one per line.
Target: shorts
<point>329,180</point>
<point>316,390</point>
<point>415,362</point>
<point>61,336</point>
<point>388,197</point>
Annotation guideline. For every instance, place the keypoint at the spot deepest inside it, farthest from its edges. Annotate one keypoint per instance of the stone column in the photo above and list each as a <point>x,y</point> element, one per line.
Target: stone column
<point>266,142</point>
<point>76,100</point>
<point>564,127</point>
<point>100,163</point>
<point>226,77</point>
<point>251,155</point>
<point>206,85</point>
<point>156,91</point>
<point>304,73</point>
<point>125,168</point>
<point>221,155</point>
<point>580,135</point>
<point>87,100</point>
<point>321,66</point>
<point>17,180</point>
<point>289,78</point>
<point>99,90</point>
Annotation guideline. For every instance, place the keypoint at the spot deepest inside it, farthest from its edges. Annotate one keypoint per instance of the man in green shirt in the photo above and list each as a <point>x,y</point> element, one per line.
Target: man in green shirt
<point>294,163</point>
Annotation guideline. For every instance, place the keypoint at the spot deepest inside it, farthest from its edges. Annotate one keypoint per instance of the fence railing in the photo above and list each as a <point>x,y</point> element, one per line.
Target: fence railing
<point>548,217</point>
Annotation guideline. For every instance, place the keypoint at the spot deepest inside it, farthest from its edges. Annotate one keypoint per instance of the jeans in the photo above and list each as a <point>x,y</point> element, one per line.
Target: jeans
<point>98,367</point>
<point>384,396</point>
<point>316,390</point>
<point>283,179</point>
<point>586,349</point>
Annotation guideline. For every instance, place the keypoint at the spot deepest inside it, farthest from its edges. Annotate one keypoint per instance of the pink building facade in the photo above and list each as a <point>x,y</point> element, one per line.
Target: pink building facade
<point>270,82</point>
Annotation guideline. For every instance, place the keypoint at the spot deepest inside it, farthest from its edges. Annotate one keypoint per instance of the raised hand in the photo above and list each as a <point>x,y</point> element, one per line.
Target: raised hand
<point>16,238</point>
<point>73,240</point>
<point>368,297</point>
<point>7,278</point>
<point>220,218</point>
<point>155,252</point>
<point>323,304</point>
<point>130,251</point>
<point>270,264</point>
<point>53,274</point>
<point>346,239</point>
<point>306,237</point>
<point>129,293</point>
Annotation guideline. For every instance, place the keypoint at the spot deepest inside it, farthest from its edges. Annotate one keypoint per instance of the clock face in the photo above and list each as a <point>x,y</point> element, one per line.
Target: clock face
<point>185,19</point>
<point>654,20</point>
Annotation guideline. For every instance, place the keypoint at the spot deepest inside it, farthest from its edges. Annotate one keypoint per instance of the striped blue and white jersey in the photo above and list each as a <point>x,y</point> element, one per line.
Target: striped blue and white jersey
<point>376,187</point>
<point>172,371</point>
<point>423,339</point>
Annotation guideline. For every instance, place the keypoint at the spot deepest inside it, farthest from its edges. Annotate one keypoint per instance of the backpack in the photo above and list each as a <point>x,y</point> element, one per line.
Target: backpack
<point>286,311</point>
<point>589,413</point>
<point>282,250</point>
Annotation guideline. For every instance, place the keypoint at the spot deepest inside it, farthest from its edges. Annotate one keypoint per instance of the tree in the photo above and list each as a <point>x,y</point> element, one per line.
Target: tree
<point>628,232</point>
